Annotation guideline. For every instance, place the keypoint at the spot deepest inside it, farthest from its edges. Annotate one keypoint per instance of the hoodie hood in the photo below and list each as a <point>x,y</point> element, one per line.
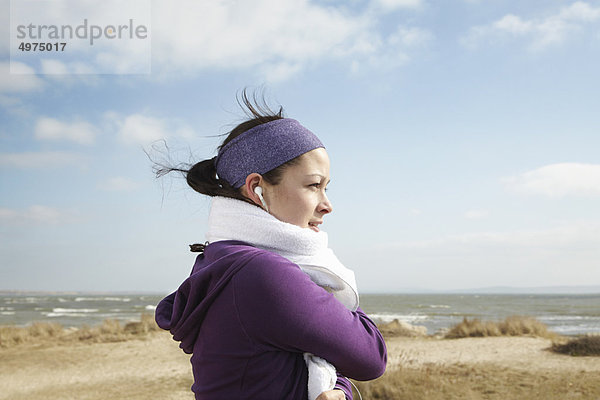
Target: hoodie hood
<point>183,311</point>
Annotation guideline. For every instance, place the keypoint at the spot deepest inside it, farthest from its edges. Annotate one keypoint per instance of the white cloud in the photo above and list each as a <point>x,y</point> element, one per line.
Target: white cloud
<point>239,34</point>
<point>8,213</point>
<point>54,67</point>
<point>139,128</point>
<point>390,5</point>
<point>539,33</point>
<point>43,159</point>
<point>22,78</point>
<point>513,25</point>
<point>43,214</point>
<point>275,38</point>
<point>35,214</point>
<point>476,214</point>
<point>557,180</point>
<point>52,129</point>
<point>68,73</point>
<point>118,184</point>
<point>409,37</point>
<point>390,52</point>
<point>142,129</point>
<point>580,11</point>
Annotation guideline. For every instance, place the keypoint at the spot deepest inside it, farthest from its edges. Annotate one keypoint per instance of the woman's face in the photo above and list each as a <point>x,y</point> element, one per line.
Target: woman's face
<point>300,197</point>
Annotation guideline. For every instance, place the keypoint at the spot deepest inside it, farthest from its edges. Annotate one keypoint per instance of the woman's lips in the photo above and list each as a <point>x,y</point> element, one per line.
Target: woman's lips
<point>314,226</point>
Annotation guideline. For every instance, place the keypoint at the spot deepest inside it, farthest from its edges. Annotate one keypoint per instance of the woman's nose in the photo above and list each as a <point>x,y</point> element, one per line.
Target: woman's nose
<point>325,206</point>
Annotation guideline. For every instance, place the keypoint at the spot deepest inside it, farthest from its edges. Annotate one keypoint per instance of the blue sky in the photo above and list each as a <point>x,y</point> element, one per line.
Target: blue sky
<point>463,136</point>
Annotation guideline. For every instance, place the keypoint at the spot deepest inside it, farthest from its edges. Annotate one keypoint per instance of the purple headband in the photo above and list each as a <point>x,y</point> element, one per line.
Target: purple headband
<point>263,148</point>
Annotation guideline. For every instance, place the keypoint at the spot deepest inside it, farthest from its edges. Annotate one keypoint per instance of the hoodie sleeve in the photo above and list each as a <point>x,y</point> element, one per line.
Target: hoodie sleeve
<point>343,384</point>
<point>282,309</point>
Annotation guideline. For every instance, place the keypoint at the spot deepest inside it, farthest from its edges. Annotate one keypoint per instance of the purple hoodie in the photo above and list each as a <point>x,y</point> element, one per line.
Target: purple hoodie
<point>247,315</point>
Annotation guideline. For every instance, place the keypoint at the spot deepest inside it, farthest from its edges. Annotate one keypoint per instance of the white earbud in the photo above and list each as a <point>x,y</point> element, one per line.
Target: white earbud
<point>258,191</point>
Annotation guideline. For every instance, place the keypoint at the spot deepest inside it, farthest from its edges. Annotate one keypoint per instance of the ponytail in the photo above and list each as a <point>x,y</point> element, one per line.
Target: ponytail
<point>202,177</point>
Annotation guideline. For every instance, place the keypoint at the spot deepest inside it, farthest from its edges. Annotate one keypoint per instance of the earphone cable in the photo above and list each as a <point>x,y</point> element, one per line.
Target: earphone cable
<point>355,388</point>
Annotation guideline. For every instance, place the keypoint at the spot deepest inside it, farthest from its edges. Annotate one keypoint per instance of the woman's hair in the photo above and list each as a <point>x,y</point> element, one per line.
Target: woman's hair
<point>202,176</point>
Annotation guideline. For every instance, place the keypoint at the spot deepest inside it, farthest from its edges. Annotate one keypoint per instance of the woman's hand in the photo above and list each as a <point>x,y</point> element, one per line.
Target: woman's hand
<point>334,394</point>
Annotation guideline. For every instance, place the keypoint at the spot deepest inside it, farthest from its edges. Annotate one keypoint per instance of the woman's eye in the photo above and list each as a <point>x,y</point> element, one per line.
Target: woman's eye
<point>317,186</point>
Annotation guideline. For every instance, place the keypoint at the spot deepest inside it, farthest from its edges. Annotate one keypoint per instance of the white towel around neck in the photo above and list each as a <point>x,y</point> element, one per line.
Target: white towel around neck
<point>232,219</point>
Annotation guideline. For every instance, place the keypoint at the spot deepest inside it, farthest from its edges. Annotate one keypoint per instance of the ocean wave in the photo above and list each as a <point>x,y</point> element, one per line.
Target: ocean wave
<point>110,315</point>
<point>123,299</point>
<point>567,318</point>
<point>385,318</point>
<point>69,314</point>
<point>74,310</point>
<point>150,307</point>
<point>6,308</point>
<point>7,313</point>
<point>439,306</point>
<point>574,329</point>
<point>33,299</point>
<point>24,300</point>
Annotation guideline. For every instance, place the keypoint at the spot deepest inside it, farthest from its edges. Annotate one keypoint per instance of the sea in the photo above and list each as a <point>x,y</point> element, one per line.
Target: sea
<point>566,314</point>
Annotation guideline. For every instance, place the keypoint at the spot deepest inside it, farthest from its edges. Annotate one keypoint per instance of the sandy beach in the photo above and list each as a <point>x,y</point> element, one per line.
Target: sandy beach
<point>519,353</point>
<point>152,366</point>
<point>146,368</point>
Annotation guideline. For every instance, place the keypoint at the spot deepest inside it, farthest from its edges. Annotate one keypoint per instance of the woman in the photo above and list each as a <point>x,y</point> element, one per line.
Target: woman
<point>268,311</point>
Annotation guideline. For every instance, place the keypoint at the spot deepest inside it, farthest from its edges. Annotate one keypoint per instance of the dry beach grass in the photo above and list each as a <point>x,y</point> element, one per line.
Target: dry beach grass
<point>502,367</point>
<point>136,361</point>
<point>51,333</point>
<point>581,346</point>
<point>512,326</point>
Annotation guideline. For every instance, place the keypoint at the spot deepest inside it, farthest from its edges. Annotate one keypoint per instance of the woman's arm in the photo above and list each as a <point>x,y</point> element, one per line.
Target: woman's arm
<point>280,307</point>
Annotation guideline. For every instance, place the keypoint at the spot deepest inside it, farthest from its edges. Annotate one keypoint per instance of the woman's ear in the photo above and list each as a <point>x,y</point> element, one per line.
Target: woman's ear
<point>252,181</point>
